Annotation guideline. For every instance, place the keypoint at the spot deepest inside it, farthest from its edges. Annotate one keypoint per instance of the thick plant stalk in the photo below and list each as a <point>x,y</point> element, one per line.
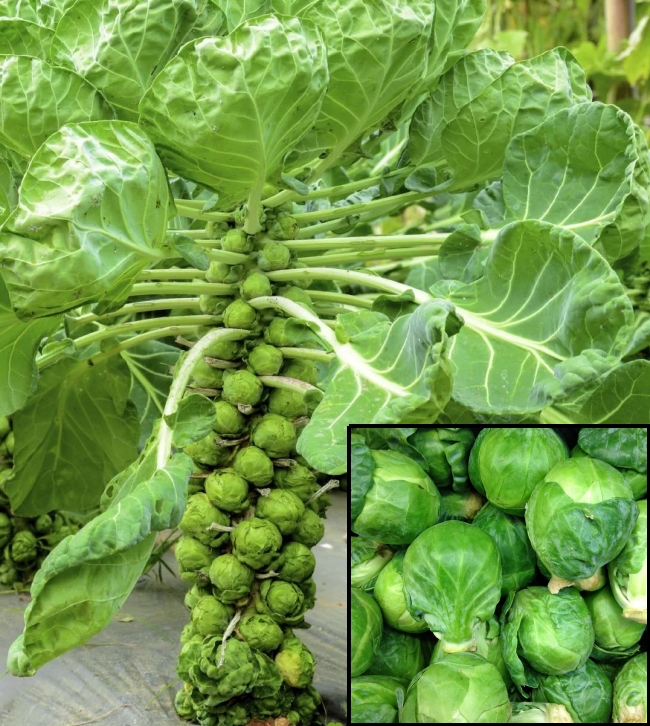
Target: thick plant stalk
<point>253,515</point>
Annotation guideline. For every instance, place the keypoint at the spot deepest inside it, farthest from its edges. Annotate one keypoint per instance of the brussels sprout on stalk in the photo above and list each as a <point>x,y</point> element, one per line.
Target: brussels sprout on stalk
<point>242,388</point>
<point>227,490</point>
<point>296,663</point>
<point>283,508</point>
<point>229,420</point>
<point>256,284</point>
<point>193,557</point>
<point>256,542</point>
<point>211,617</point>
<point>239,314</point>
<point>283,601</point>
<point>199,515</point>
<point>275,435</point>
<point>295,563</point>
<point>261,632</point>
<point>265,360</point>
<point>254,465</point>
<point>310,529</point>
<point>23,549</point>
<point>231,578</point>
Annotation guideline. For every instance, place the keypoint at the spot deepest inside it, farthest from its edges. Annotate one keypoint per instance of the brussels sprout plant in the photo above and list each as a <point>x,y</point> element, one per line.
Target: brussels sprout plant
<point>531,610</point>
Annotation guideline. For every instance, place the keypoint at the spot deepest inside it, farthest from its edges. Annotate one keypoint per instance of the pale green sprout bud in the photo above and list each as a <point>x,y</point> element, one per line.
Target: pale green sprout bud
<point>231,578</point>
<point>240,314</point>
<point>296,663</point>
<point>206,452</point>
<point>212,304</point>
<point>229,419</point>
<point>296,294</point>
<point>194,594</point>
<point>283,508</point>
<point>295,563</point>
<point>299,479</point>
<point>223,273</point>
<point>224,349</point>
<point>236,240</point>
<point>211,617</point>
<point>303,370</point>
<point>274,256</point>
<point>227,490</point>
<point>24,549</point>
<point>310,529</point>
<point>199,515</point>
<point>276,435</point>
<point>206,376</point>
<point>265,360</point>
<point>254,465</point>
<point>193,557</point>
<point>256,284</point>
<point>256,542</point>
<point>5,529</point>
<point>283,601</point>
<point>261,632</point>
<point>242,388</point>
<point>287,403</point>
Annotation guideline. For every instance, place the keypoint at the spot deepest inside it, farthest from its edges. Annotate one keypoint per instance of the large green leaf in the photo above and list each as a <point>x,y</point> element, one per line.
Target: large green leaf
<point>67,98</point>
<point>19,342</point>
<point>595,153</point>
<point>102,41</point>
<point>225,111</point>
<point>463,82</point>
<point>387,372</point>
<point>85,580</point>
<point>517,100</point>
<point>376,54</point>
<point>548,312</point>
<point>22,37</point>
<point>75,433</point>
<point>93,213</point>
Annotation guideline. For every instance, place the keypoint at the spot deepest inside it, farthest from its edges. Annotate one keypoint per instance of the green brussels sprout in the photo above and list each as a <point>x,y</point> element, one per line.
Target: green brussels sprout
<point>206,451</point>
<point>310,529</point>
<point>290,332</point>
<point>236,240</point>
<point>320,504</point>
<point>296,663</point>
<point>303,370</point>
<point>231,578</point>
<point>229,419</point>
<point>224,349</point>
<point>295,563</point>
<point>256,284</point>
<point>8,574</point>
<point>227,490</point>
<point>5,529</point>
<point>307,702</point>
<point>256,542</point>
<point>283,601</point>
<point>23,549</point>
<point>9,443</point>
<point>239,314</point>
<point>199,515</point>
<point>283,508</point>
<point>276,435</point>
<point>298,479</point>
<point>43,524</point>
<point>189,632</point>
<point>211,616</point>
<point>242,388</point>
<point>205,376</point>
<point>5,427</point>
<point>193,557</point>
<point>287,403</point>
<point>631,691</point>
<point>59,533</point>
<point>308,588</point>
<point>296,294</point>
<point>194,594</point>
<point>285,226</point>
<point>261,632</point>
<point>212,304</point>
<point>223,273</point>
<point>254,465</point>
<point>265,360</point>
<point>274,256</point>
